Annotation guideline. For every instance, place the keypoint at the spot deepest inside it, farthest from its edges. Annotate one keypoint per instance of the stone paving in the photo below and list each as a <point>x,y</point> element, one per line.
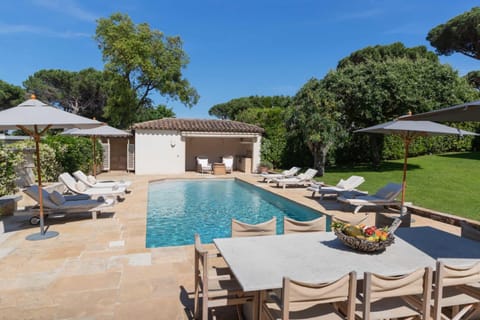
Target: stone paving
<point>100,269</point>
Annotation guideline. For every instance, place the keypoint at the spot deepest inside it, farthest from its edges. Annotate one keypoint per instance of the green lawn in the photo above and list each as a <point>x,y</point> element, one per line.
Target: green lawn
<point>448,183</point>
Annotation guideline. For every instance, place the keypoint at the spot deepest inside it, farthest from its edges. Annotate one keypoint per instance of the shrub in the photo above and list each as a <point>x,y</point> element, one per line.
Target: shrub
<point>8,161</point>
<point>74,153</point>
<point>50,166</point>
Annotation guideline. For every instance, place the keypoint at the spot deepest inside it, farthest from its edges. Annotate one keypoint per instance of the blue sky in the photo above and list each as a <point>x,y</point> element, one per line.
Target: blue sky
<point>236,48</point>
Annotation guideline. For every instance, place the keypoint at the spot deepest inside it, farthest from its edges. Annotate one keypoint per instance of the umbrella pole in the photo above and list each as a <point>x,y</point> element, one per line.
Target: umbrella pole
<point>43,234</point>
<point>407,142</point>
<point>94,169</point>
<point>36,137</point>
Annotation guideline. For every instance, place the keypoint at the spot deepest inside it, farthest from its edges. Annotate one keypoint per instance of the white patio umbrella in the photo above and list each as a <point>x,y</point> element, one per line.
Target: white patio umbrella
<point>35,118</point>
<point>93,133</point>
<point>408,131</point>
<point>469,111</point>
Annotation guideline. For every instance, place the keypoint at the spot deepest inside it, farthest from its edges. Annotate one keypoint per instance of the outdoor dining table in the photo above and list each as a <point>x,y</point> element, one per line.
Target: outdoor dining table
<point>260,263</point>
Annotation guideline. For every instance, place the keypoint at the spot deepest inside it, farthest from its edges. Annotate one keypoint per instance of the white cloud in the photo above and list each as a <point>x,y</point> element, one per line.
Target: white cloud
<point>359,15</point>
<point>29,29</point>
<point>67,7</point>
<point>408,29</point>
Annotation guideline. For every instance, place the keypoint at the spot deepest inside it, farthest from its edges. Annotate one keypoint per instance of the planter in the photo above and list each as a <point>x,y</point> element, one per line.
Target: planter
<point>8,204</point>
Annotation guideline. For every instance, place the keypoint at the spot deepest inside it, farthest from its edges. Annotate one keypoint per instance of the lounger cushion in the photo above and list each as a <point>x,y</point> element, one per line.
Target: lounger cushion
<point>57,198</point>
<point>80,186</point>
<point>341,183</point>
<point>91,179</point>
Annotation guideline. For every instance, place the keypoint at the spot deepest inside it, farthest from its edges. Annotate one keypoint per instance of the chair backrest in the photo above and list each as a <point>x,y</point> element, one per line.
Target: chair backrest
<point>202,160</point>
<point>82,177</point>
<point>417,283</point>
<point>354,222</point>
<point>32,192</point>
<point>294,226</point>
<point>69,182</point>
<point>448,276</point>
<point>298,295</point>
<point>228,161</point>
<point>389,192</point>
<point>352,182</point>
<point>309,174</point>
<point>469,232</point>
<point>241,229</point>
<point>291,172</point>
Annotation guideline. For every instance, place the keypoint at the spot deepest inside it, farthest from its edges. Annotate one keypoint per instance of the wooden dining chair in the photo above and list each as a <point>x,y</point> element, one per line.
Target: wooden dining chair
<point>293,226</point>
<point>241,229</point>
<point>215,287</point>
<point>391,297</point>
<point>300,300</point>
<point>457,292</point>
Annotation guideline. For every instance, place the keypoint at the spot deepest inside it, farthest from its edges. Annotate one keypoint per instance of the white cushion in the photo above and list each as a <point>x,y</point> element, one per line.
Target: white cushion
<point>57,198</point>
<point>91,179</point>
<point>341,184</point>
<point>80,186</point>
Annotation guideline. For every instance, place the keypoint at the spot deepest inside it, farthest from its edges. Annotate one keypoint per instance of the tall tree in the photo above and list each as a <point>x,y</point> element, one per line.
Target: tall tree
<point>381,88</point>
<point>82,92</point>
<point>231,109</point>
<point>274,140</point>
<point>473,77</point>
<point>460,34</point>
<point>158,112</point>
<point>315,116</point>
<point>10,95</point>
<point>144,61</point>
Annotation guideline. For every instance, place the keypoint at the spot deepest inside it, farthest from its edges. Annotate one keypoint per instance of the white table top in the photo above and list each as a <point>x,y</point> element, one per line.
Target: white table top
<point>260,263</point>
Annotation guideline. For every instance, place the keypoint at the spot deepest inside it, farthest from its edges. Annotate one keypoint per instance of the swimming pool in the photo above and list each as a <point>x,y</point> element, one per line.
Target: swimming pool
<point>177,209</point>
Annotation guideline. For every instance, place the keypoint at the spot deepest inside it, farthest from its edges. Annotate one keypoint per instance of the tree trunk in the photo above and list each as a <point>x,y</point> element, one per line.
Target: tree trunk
<point>319,152</point>
<point>376,148</point>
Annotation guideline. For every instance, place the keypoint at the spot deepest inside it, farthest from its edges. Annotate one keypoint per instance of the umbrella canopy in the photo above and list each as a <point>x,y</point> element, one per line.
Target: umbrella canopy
<point>33,112</point>
<point>408,130</point>
<point>101,131</point>
<point>469,111</point>
<point>35,118</point>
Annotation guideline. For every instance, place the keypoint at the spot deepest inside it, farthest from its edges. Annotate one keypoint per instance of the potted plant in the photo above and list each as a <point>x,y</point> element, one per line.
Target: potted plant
<point>264,166</point>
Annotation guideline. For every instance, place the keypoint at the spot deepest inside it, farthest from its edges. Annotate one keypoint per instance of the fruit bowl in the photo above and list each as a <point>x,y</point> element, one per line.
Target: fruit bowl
<point>362,240</point>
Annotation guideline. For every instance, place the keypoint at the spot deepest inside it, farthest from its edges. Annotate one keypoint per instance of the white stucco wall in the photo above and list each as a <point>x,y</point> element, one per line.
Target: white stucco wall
<point>159,152</point>
<point>256,153</point>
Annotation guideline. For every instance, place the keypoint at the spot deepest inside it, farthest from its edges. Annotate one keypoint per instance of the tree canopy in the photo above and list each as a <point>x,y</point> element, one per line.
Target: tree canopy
<point>460,34</point>
<point>380,89</point>
<point>83,92</point>
<point>231,109</point>
<point>314,116</point>
<point>143,61</point>
<point>154,113</point>
<point>10,95</point>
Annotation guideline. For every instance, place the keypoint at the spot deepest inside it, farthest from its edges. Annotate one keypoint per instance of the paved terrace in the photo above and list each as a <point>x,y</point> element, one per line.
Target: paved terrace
<point>100,269</point>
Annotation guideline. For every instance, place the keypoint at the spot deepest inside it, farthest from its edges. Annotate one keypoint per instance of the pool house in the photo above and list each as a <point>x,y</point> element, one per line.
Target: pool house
<point>171,145</point>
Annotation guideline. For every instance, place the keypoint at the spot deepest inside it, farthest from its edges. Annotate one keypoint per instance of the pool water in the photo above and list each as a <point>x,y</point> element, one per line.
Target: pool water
<point>177,209</point>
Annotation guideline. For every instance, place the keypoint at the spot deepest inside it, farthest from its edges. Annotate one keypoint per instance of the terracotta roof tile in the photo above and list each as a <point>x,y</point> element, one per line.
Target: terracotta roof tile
<point>198,125</point>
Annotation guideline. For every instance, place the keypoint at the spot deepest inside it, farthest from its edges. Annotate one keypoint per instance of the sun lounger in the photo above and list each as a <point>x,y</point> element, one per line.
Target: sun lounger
<point>78,187</point>
<point>384,197</point>
<point>344,185</point>
<point>55,202</point>
<point>267,177</point>
<point>92,182</point>
<point>300,180</point>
